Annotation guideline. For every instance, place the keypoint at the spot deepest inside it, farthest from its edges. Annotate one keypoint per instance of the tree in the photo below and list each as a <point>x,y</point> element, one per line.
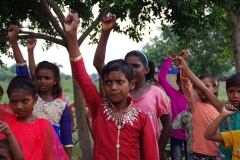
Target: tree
<point>44,20</point>
<point>209,16</point>
<point>205,58</point>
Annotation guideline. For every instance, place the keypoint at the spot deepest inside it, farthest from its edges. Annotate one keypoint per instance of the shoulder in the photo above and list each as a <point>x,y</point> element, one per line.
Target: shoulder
<point>156,90</point>
<point>43,122</point>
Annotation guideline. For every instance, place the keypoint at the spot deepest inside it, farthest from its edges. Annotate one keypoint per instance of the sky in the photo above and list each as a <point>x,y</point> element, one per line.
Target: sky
<point>117,47</point>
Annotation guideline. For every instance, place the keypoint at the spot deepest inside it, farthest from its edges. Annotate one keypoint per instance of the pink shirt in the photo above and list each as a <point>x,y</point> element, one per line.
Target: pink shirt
<point>203,115</point>
<point>155,104</point>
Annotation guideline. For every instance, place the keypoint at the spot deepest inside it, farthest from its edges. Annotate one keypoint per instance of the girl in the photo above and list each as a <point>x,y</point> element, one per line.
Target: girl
<point>203,112</point>
<point>31,43</point>
<point>148,98</point>
<point>36,136</point>
<point>7,152</point>
<point>48,106</point>
<point>117,128</point>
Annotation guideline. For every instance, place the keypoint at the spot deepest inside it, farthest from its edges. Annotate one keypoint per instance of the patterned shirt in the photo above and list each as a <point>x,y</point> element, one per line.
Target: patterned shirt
<point>184,121</point>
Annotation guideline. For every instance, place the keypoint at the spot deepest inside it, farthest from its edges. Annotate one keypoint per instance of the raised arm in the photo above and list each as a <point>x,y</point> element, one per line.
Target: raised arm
<point>15,147</point>
<point>31,43</point>
<point>198,83</point>
<point>108,23</point>
<point>211,132</point>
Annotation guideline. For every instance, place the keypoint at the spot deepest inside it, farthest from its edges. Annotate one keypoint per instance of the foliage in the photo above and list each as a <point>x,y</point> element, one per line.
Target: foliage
<point>206,57</point>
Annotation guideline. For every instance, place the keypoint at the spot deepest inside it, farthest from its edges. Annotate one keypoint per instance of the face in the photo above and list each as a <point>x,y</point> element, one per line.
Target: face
<point>4,154</point>
<point>45,80</point>
<point>139,69</point>
<point>233,94</point>
<point>22,103</point>
<point>117,87</point>
<point>209,85</point>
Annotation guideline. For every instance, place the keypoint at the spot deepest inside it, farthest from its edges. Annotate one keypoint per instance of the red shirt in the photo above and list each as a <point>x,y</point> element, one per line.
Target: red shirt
<point>115,138</point>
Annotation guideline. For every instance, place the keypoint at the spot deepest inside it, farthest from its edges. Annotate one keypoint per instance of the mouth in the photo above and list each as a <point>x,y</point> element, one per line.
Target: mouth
<point>235,103</point>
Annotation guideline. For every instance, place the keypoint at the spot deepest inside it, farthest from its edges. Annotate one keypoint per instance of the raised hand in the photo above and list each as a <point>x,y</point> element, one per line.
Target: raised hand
<point>108,22</point>
<point>71,23</point>
<point>184,54</point>
<point>4,128</point>
<point>31,43</point>
<point>173,56</point>
<point>13,31</point>
<point>228,110</point>
<point>180,62</point>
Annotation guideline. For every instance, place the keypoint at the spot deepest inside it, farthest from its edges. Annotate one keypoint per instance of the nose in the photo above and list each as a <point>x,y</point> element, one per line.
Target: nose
<point>236,95</point>
<point>114,87</point>
<point>19,106</point>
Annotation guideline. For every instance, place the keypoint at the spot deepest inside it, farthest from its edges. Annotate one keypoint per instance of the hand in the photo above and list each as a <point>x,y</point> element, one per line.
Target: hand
<point>4,129</point>
<point>180,62</point>
<point>71,23</point>
<point>228,110</point>
<point>108,22</point>
<point>184,54</point>
<point>31,43</point>
<point>13,31</point>
<point>173,56</point>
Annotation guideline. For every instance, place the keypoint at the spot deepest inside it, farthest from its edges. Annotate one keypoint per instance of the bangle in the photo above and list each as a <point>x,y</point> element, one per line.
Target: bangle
<point>21,64</point>
<point>76,59</point>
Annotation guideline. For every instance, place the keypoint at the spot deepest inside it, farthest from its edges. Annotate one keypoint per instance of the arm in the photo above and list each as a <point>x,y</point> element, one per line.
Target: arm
<point>108,23</point>
<point>15,147</point>
<point>66,132</point>
<point>162,76</point>
<point>210,133</point>
<point>148,145</point>
<point>166,132</point>
<point>186,72</point>
<point>31,43</point>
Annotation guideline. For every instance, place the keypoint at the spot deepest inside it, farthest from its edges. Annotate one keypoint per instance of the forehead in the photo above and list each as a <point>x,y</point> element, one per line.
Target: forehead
<point>45,72</point>
<point>235,88</point>
<point>207,81</point>
<point>5,153</point>
<point>19,93</point>
<point>132,59</point>
<point>113,75</point>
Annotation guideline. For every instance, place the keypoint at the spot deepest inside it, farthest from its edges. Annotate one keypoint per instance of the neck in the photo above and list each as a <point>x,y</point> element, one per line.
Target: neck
<point>46,96</point>
<point>141,84</point>
<point>121,106</point>
<point>28,118</point>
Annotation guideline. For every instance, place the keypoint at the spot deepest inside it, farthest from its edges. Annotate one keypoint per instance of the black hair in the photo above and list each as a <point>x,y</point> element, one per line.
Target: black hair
<point>212,78</point>
<point>22,82</point>
<point>118,65</point>
<point>143,59</point>
<point>45,65</point>
<point>178,78</point>
<point>233,80</point>
<point>1,90</point>
<point>4,144</point>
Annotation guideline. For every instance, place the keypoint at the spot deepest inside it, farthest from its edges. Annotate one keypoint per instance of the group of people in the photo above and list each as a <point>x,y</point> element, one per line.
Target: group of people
<point>37,122</point>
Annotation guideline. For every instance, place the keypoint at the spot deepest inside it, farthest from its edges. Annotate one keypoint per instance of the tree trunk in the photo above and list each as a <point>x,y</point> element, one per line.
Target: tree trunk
<point>235,37</point>
<point>83,130</point>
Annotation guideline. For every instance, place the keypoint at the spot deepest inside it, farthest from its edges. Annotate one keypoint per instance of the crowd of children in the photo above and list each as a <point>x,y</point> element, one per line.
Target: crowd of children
<point>126,114</point>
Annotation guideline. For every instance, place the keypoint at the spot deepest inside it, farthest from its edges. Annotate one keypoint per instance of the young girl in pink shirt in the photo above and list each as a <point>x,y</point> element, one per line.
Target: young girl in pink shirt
<point>203,112</point>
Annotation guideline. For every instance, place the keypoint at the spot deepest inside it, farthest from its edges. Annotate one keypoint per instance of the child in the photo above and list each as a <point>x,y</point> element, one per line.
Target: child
<point>31,43</point>
<point>1,93</point>
<point>144,92</point>
<point>48,105</point>
<point>203,112</point>
<point>9,147</point>
<point>178,104</point>
<point>227,139</point>
<point>36,136</point>
<point>119,130</point>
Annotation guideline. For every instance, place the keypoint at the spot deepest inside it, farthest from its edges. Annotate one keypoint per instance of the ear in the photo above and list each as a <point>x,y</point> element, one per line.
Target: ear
<point>215,89</point>
<point>35,98</point>
<point>131,85</point>
<point>147,69</point>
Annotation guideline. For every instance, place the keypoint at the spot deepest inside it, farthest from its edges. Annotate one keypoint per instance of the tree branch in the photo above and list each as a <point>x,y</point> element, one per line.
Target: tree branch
<point>230,13</point>
<point>92,26</point>
<point>57,10</point>
<point>37,35</point>
<point>53,20</point>
<point>238,12</point>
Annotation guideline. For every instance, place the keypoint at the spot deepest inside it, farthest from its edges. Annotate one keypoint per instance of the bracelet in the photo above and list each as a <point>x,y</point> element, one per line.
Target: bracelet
<point>21,64</point>
<point>76,59</point>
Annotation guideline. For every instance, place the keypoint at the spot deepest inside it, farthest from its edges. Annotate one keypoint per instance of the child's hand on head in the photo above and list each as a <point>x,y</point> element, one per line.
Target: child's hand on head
<point>108,22</point>
<point>173,56</point>
<point>180,62</point>
<point>31,43</point>
<point>71,23</point>
<point>4,128</point>
<point>184,54</point>
<point>228,110</point>
<point>13,31</point>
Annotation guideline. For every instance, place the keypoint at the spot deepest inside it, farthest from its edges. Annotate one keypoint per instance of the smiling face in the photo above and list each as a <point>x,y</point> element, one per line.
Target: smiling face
<point>45,80</point>
<point>22,103</point>
<point>233,93</point>
<point>117,87</point>
<point>209,84</point>
<point>139,69</point>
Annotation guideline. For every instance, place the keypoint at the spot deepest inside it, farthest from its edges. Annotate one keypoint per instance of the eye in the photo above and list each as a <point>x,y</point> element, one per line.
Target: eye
<point>13,102</point>
<point>107,82</point>
<point>47,78</point>
<point>120,81</point>
<point>25,101</point>
<point>38,77</point>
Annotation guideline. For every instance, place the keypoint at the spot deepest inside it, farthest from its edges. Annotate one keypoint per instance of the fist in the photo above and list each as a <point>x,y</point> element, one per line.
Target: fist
<point>13,31</point>
<point>31,43</point>
<point>108,22</point>
<point>184,54</point>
